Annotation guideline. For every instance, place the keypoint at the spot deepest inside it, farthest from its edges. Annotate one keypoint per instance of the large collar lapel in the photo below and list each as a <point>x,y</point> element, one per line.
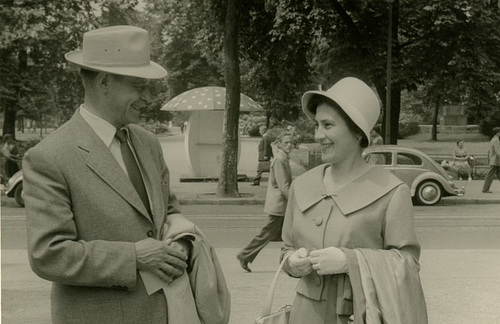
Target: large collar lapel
<point>102,162</point>
<point>309,188</point>
<point>364,190</point>
<point>148,166</point>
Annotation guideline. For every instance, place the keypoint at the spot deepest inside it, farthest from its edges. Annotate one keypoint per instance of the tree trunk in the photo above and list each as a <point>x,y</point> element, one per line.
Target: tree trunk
<point>9,122</point>
<point>435,119</point>
<point>228,180</point>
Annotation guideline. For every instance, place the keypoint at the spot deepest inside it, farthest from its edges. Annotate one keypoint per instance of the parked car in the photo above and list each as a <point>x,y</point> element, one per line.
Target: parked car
<point>427,180</point>
<point>14,187</point>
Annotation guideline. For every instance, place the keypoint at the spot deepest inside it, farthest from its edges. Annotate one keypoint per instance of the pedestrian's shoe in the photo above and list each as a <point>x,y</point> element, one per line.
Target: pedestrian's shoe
<point>243,263</point>
<point>487,191</point>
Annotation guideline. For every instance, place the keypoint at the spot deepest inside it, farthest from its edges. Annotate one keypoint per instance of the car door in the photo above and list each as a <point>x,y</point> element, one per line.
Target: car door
<point>381,158</point>
<point>408,166</point>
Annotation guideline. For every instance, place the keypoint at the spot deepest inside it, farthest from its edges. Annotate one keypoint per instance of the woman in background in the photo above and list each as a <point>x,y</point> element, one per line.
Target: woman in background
<point>461,160</point>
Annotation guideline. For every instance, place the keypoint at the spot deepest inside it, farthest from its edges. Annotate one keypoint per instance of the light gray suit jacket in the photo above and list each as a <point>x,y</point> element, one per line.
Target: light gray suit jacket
<point>83,217</point>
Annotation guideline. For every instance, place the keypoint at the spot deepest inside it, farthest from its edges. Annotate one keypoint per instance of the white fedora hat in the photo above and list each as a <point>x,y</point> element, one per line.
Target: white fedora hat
<point>122,50</point>
<point>354,97</point>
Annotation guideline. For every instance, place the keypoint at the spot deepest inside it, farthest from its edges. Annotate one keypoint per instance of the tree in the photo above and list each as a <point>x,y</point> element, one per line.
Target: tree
<point>228,180</point>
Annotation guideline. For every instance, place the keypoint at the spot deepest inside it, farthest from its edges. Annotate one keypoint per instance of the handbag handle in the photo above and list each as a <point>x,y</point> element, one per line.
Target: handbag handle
<point>268,303</point>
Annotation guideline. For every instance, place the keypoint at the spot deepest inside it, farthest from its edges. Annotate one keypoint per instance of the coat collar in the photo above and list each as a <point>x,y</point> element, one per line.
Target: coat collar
<point>364,190</point>
<point>102,162</point>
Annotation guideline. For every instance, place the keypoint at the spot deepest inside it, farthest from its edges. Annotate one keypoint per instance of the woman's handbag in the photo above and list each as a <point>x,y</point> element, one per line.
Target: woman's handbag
<point>282,316</point>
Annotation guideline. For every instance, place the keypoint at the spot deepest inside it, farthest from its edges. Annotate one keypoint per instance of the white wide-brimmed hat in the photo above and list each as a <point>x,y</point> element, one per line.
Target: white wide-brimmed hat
<point>354,97</point>
<point>122,50</point>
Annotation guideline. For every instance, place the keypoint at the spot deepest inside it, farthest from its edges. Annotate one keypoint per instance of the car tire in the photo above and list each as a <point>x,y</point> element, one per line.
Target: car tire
<point>428,193</point>
<point>18,194</point>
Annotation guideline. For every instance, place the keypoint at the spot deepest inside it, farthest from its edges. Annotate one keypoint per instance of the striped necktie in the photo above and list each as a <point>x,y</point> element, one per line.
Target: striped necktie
<point>132,168</point>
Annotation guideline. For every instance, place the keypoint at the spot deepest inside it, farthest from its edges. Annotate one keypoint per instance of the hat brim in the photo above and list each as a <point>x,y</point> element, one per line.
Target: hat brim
<point>151,71</point>
<point>348,110</point>
<point>306,98</point>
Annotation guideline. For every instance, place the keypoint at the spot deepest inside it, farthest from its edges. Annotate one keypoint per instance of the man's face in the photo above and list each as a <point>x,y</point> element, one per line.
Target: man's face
<point>286,144</point>
<point>126,97</point>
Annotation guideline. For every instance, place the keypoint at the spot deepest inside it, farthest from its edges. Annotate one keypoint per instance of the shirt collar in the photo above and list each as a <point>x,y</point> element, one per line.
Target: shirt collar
<point>283,155</point>
<point>101,127</point>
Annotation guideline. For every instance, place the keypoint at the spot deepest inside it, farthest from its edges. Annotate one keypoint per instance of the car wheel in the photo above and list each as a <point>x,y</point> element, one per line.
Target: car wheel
<point>428,193</point>
<point>18,194</point>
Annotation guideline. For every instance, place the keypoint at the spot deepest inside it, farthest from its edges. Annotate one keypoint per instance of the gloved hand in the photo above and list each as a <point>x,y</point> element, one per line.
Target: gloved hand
<point>299,263</point>
<point>330,260</point>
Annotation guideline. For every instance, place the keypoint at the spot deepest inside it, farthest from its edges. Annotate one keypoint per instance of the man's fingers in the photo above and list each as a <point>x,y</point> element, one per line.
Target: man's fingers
<point>176,253</point>
<point>171,271</point>
<point>163,276</point>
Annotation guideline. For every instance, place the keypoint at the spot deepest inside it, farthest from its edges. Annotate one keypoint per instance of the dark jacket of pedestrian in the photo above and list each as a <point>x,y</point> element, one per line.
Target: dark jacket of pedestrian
<point>265,149</point>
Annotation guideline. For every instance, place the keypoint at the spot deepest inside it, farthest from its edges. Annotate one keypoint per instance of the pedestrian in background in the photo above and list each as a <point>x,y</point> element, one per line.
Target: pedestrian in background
<point>376,139</point>
<point>265,155</point>
<point>461,161</point>
<point>494,160</point>
<point>100,214</point>
<point>280,178</point>
<point>10,157</point>
<point>349,231</point>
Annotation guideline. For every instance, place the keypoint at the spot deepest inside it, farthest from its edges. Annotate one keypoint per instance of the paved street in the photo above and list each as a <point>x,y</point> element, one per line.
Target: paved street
<point>460,262</point>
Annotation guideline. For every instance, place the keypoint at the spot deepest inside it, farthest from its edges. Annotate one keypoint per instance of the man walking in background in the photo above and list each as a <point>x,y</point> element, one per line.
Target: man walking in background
<point>280,179</point>
<point>494,160</point>
<point>265,155</point>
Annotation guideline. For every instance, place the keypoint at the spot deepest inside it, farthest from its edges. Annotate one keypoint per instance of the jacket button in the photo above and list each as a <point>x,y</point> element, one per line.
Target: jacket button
<point>317,280</point>
<point>318,221</point>
<point>151,233</point>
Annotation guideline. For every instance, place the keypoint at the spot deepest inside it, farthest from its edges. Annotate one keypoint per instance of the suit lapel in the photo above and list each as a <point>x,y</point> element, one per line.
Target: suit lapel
<point>150,171</point>
<point>101,161</point>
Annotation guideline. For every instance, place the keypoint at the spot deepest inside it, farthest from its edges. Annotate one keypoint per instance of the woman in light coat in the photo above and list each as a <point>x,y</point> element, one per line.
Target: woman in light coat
<point>348,231</point>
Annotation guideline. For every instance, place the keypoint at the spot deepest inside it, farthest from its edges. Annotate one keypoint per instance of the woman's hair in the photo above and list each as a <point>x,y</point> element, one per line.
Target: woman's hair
<point>318,100</point>
<point>458,142</point>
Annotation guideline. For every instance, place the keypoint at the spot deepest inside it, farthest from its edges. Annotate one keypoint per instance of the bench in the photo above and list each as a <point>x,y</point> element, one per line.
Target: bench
<point>479,163</point>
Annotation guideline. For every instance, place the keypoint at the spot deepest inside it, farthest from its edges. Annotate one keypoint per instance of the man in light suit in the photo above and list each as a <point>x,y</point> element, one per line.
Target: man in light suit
<point>97,192</point>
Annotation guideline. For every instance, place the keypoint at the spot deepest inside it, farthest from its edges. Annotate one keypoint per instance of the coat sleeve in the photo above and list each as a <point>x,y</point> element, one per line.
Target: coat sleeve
<point>55,253</point>
<point>288,246</point>
<point>282,172</point>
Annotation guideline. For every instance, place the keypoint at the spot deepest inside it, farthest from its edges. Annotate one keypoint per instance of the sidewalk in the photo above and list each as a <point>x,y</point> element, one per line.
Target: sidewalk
<point>192,193</point>
<point>458,288</point>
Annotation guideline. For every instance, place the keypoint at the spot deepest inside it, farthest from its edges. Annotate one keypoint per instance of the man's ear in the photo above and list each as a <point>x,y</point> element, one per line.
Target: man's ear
<point>102,80</point>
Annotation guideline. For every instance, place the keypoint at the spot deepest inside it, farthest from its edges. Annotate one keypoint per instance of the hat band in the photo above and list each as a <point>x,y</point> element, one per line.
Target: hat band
<point>117,64</point>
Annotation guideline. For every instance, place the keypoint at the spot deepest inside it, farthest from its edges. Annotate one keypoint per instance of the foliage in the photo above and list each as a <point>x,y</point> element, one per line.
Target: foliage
<point>250,124</point>
<point>408,128</point>
<point>155,127</point>
<point>24,146</point>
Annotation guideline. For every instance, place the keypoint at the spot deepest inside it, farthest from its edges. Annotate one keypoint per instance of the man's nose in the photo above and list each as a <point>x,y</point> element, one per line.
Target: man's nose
<point>146,96</point>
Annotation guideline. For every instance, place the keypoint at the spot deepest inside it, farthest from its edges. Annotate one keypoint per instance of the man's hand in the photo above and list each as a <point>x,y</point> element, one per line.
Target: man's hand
<point>160,258</point>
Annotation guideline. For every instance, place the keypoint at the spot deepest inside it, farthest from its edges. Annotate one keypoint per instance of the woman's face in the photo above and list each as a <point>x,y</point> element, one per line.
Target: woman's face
<point>336,139</point>
<point>461,144</point>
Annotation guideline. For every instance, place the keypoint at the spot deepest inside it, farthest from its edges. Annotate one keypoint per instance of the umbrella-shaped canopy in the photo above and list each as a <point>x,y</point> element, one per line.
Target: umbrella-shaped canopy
<point>207,98</point>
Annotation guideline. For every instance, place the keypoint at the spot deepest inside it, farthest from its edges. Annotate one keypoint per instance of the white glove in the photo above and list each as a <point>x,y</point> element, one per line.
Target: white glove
<point>299,263</point>
<point>331,260</point>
